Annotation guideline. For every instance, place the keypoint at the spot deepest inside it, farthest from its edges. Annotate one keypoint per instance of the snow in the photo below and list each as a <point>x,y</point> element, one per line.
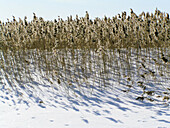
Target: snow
<point>46,103</point>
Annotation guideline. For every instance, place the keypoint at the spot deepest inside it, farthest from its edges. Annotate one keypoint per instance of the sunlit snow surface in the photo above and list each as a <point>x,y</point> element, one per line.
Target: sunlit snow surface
<point>87,89</point>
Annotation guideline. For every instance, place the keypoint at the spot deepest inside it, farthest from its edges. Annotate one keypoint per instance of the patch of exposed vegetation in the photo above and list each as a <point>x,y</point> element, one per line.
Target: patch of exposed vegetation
<point>131,50</point>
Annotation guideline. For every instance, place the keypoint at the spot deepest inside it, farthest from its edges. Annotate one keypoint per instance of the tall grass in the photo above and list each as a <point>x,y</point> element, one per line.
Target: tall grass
<point>77,68</point>
<point>131,50</point>
<point>121,31</point>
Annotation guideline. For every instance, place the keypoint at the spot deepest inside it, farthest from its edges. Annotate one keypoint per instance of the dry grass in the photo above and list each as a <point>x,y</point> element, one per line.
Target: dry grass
<point>145,30</point>
<point>141,71</point>
<point>132,50</point>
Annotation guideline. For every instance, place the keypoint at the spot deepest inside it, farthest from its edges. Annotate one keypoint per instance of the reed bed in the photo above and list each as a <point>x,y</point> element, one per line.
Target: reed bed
<point>130,50</point>
<point>120,31</point>
<point>141,72</point>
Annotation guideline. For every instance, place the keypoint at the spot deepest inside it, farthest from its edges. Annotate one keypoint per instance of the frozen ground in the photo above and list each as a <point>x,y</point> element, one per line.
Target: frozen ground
<point>48,103</point>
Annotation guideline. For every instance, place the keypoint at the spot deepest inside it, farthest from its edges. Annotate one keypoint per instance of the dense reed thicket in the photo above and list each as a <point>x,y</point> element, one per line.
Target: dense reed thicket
<point>145,30</point>
<point>130,50</point>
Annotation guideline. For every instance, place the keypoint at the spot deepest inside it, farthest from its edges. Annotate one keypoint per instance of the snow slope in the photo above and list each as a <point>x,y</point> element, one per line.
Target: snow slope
<point>55,103</point>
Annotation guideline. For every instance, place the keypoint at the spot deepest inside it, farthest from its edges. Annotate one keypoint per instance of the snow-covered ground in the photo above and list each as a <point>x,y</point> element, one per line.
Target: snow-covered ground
<point>94,100</point>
